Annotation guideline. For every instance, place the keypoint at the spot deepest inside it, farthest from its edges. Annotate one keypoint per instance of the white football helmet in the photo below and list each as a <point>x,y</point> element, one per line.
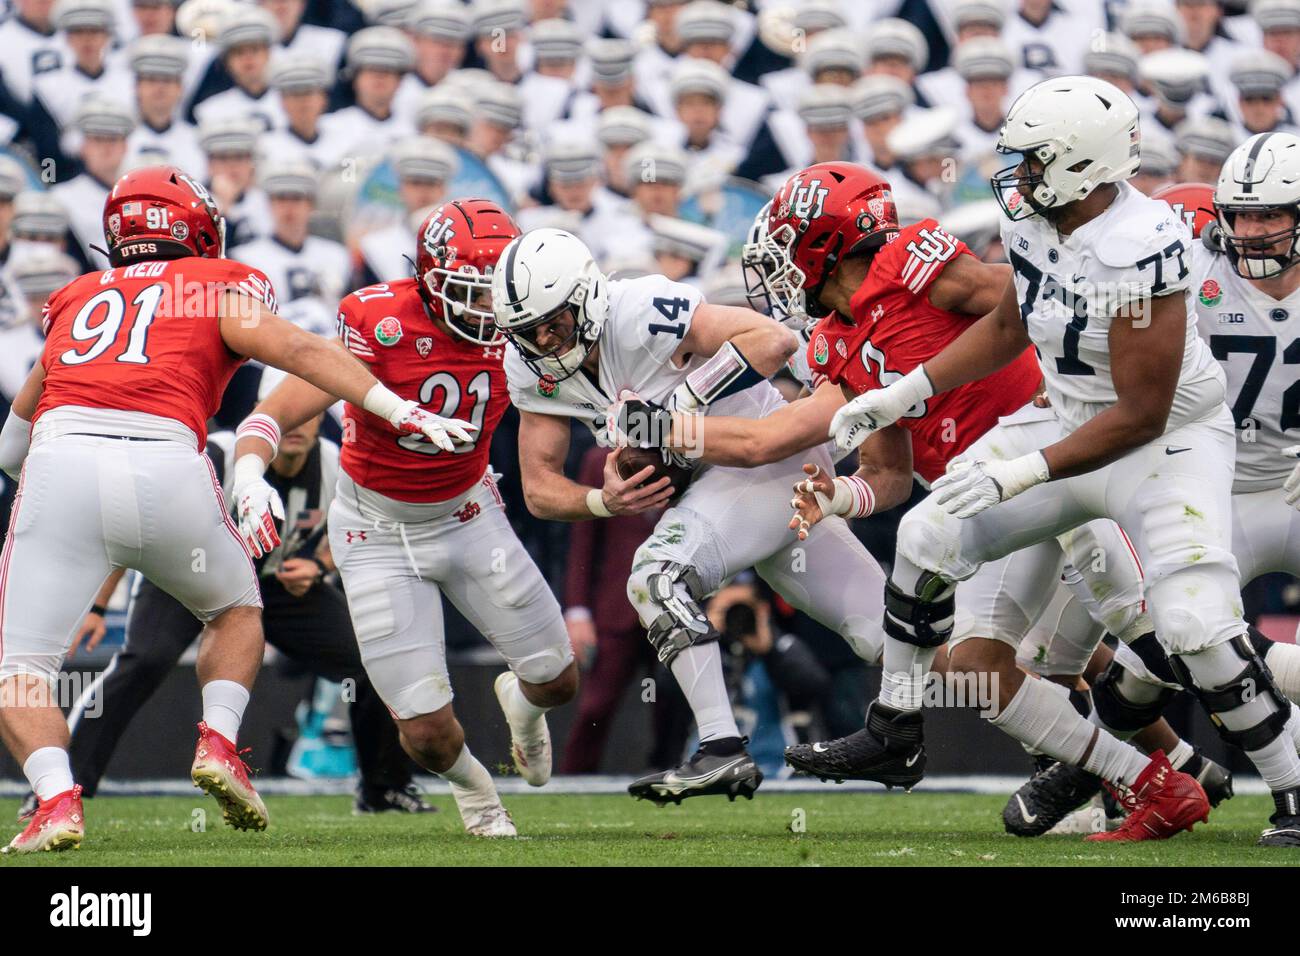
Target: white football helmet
<point>1261,173</point>
<point>540,275</point>
<point>1082,129</point>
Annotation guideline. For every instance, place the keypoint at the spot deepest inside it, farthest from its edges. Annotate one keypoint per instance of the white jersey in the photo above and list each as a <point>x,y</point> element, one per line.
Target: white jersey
<point>1070,289</point>
<point>321,267</point>
<point>1256,339</point>
<point>83,199</point>
<point>648,318</point>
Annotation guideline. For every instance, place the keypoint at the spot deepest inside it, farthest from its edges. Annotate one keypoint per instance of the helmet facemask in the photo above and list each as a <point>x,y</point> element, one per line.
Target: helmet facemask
<point>1020,193</point>
<point>466,297</point>
<point>563,360</point>
<point>1252,256</point>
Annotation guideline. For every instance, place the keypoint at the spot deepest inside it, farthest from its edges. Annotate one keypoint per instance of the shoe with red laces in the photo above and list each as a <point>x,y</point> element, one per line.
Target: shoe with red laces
<point>1161,803</point>
<point>59,823</point>
<point>219,770</point>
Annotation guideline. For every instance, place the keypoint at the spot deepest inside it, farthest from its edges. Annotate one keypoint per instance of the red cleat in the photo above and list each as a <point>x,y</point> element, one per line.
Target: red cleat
<point>1161,803</point>
<point>59,823</point>
<point>218,770</point>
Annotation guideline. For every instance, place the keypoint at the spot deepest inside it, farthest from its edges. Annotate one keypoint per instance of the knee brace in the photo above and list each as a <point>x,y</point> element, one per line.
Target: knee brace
<point>924,619</point>
<point>1254,682</point>
<point>1154,657</point>
<point>1117,712</point>
<point>676,591</point>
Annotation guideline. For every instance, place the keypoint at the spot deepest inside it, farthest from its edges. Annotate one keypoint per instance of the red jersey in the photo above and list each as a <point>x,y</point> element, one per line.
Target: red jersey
<point>896,328</point>
<point>145,338</point>
<point>414,353</point>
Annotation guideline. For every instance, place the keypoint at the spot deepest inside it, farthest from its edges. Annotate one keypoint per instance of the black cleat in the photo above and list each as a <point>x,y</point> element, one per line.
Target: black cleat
<point>1216,780</point>
<point>1047,798</point>
<point>731,771</point>
<point>889,750</point>
<point>400,799</point>
<point>1285,829</point>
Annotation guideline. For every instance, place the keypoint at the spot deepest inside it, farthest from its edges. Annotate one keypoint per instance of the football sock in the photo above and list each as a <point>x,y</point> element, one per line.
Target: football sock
<point>48,772</point>
<point>698,670</point>
<point>223,706</point>
<point>471,785</point>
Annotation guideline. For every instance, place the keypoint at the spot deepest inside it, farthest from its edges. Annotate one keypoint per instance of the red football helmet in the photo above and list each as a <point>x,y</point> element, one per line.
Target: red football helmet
<point>818,216</point>
<point>158,212</point>
<point>1193,201</point>
<point>459,244</point>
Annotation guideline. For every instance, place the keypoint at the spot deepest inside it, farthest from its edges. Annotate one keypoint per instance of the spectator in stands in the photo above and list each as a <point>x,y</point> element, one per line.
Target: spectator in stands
<point>1152,25</point>
<point>87,28</point>
<point>498,27</point>
<point>35,276</point>
<point>618,130</point>
<point>378,58</point>
<point>31,46</point>
<point>879,102</point>
<point>104,125</point>
<point>1113,57</point>
<point>811,20</point>
<point>299,265</point>
<point>1258,77</point>
<point>927,149</point>
<point>294,36</point>
<point>439,30</point>
<point>40,220</point>
<point>13,179</point>
<point>163,136</point>
<point>1204,144</point>
<point>444,115</point>
<point>896,48</point>
<point>549,87</point>
<point>612,83</point>
<point>1160,161</point>
<point>607,636</point>
<point>230,146</point>
<point>1178,80</point>
<point>685,251</point>
<point>424,166</point>
<point>699,91</point>
<point>985,66</point>
<point>655,176</point>
<point>245,39</point>
<point>1049,38</point>
<point>302,82</point>
<point>498,113</point>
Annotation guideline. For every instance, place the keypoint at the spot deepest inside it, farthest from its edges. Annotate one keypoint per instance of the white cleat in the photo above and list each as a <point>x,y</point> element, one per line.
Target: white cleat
<point>492,822</point>
<point>531,750</point>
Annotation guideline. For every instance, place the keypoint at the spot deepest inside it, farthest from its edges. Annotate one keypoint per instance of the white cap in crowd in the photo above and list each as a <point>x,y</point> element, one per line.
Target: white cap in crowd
<point>895,37</point>
<point>443,105</point>
<point>380,48</point>
<point>837,49</point>
<point>499,104</point>
<point>925,133</point>
<point>611,61</point>
<point>1176,75</point>
<point>233,136</point>
<point>881,95</point>
<point>1205,137</point>
<point>825,106</point>
<point>983,58</point>
<point>623,126</point>
<point>649,162</point>
<point>570,162</point>
<point>300,72</point>
<point>425,159</point>
<point>159,55</point>
<point>104,116</point>
<point>556,41</point>
<point>698,76</point>
<point>985,12</point>
<point>289,177</point>
<point>247,25</point>
<point>40,272</point>
<point>705,21</point>
<point>84,15</point>
<point>1151,18</point>
<point>489,16</point>
<point>441,19</point>
<point>1112,54</point>
<point>38,215</point>
<point>817,15</point>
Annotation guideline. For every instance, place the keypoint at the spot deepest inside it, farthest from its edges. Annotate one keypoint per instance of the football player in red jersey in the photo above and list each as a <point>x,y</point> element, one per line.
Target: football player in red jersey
<point>108,431</point>
<point>891,298</point>
<point>413,521</point>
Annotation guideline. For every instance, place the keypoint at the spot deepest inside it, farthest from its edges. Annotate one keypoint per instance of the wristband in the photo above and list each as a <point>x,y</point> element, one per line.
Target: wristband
<point>915,387</point>
<point>248,469</point>
<point>1023,473</point>
<point>577,613</point>
<point>596,503</point>
<point>98,609</point>
<point>258,425</point>
<point>853,498</point>
<point>15,440</point>
<point>382,401</point>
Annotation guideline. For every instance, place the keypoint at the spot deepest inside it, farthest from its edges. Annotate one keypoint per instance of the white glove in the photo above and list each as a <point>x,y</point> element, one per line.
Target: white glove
<point>879,408</point>
<point>410,419</point>
<point>1291,487</point>
<point>969,487</point>
<point>257,506</point>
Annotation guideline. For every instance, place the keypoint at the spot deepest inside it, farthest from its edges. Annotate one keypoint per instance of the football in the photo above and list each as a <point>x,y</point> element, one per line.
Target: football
<point>631,460</point>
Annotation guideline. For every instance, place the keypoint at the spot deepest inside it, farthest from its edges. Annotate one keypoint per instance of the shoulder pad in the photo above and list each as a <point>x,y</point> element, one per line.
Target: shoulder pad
<point>1150,226</point>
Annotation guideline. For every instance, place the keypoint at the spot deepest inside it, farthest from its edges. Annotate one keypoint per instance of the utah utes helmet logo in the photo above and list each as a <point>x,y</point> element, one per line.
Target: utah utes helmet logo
<point>808,200</point>
<point>437,235</point>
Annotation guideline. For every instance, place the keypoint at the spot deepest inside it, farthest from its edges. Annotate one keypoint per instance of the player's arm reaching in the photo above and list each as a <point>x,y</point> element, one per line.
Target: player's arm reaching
<point>548,493</point>
<point>251,328</point>
<point>744,347</point>
<point>883,481</point>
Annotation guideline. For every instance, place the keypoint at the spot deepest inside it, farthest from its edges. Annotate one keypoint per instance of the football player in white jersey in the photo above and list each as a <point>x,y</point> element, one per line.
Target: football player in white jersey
<point>579,343</point>
<point>1248,311</point>
<point>1100,288</point>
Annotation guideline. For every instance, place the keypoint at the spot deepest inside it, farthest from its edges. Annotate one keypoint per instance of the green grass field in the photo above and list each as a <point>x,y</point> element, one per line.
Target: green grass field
<point>852,829</point>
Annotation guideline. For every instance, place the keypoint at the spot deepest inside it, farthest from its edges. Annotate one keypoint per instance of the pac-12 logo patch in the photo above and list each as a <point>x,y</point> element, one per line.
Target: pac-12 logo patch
<point>821,350</point>
<point>424,345</point>
<point>1211,293</point>
<point>388,331</point>
<point>547,386</point>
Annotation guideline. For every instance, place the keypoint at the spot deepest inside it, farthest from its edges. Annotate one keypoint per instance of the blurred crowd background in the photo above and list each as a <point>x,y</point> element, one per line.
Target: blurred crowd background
<point>653,129</point>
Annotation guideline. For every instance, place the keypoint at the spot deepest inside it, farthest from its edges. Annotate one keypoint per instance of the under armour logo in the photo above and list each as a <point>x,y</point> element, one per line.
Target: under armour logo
<point>469,512</point>
<point>494,353</point>
<point>356,536</point>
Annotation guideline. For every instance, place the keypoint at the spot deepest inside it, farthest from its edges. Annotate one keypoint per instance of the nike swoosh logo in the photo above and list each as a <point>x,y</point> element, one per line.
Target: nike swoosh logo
<point>914,758</point>
<point>819,748</point>
<point>1024,810</point>
<point>1176,451</point>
